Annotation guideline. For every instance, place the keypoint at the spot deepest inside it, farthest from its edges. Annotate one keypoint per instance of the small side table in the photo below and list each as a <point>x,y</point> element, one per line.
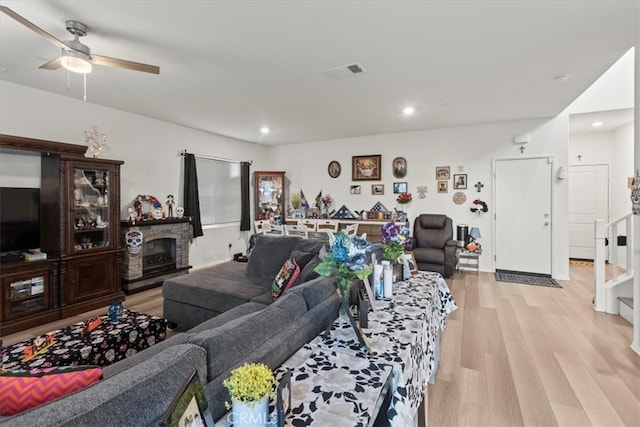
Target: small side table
<point>469,259</point>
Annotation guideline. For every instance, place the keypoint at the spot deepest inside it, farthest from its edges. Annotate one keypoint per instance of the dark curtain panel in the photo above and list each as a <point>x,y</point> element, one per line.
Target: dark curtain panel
<point>245,202</point>
<point>191,198</point>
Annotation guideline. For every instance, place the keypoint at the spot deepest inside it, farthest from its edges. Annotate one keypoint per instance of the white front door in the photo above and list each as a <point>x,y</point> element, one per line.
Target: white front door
<point>523,215</point>
<point>588,201</point>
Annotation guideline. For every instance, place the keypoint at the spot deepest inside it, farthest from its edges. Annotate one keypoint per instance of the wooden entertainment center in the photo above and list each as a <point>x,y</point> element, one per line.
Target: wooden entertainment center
<point>79,232</point>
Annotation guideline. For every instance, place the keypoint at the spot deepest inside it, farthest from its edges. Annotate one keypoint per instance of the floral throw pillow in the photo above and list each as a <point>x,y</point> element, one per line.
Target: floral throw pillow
<point>285,278</point>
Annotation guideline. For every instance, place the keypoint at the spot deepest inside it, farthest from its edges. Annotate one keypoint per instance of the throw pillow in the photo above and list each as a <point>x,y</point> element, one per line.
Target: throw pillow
<point>285,278</point>
<point>21,389</point>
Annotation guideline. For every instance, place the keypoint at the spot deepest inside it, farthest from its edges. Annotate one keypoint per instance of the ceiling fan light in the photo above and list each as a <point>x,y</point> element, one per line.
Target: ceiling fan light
<point>76,62</point>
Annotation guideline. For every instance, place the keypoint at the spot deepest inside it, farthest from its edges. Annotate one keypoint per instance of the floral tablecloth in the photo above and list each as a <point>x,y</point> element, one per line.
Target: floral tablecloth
<point>333,389</point>
<point>403,332</point>
<point>107,344</point>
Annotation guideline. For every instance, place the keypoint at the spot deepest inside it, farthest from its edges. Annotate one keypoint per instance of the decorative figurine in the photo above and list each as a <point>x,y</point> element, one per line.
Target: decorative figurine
<point>132,215</point>
<point>170,203</point>
<point>180,211</point>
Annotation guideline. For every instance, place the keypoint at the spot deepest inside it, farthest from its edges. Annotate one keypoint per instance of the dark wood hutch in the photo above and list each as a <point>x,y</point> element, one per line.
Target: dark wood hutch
<point>79,232</point>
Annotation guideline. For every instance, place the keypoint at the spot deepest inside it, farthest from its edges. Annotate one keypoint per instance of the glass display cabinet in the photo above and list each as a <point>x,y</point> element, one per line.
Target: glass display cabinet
<point>89,274</point>
<point>91,216</point>
<point>269,195</point>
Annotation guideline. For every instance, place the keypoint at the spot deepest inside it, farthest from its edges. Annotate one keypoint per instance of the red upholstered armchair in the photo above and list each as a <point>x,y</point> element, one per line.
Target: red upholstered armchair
<point>433,245</point>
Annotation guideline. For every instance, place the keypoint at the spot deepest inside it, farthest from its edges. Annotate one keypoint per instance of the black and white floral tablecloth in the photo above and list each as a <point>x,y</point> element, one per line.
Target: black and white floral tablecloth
<point>333,389</point>
<point>107,344</point>
<point>402,332</point>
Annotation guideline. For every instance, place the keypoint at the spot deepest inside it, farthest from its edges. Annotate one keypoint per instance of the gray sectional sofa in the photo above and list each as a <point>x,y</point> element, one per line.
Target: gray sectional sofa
<point>226,323</point>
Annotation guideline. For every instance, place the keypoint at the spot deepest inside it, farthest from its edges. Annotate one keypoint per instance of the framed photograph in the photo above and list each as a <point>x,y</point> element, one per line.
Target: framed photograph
<point>399,187</point>
<point>355,189</point>
<point>283,401</point>
<point>366,168</point>
<point>411,264</point>
<point>377,189</point>
<point>189,407</point>
<point>460,181</point>
<point>334,169</point>
<point>443,172</point>
<point>443,186</point>
<point>399,167</point>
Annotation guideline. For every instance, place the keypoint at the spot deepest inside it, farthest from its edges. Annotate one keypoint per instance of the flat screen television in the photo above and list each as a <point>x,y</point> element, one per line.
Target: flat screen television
<point>19,220</point>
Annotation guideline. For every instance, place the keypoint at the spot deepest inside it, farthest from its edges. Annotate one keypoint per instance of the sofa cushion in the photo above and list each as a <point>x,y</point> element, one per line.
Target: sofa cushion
<point>429,255</point>
<point>268,255</point>
<point>285,278</point>
<point>302,258</point>
<point>239,311</point>
<point>308,272</point>
<point>234,340</point>
<point>21,390</point>
<point>219,288</point>
<point>317,290</point>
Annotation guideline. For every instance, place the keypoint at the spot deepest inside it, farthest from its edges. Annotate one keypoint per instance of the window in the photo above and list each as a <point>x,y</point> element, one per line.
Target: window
<point>219,191</point>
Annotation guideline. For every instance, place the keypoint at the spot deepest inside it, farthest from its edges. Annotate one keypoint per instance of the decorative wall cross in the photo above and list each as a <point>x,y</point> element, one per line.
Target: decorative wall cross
<point>522,148</point>
<point>479,186</point>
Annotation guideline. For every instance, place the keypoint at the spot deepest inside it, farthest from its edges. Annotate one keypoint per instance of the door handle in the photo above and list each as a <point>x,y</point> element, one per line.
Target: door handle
<point>546,223</point>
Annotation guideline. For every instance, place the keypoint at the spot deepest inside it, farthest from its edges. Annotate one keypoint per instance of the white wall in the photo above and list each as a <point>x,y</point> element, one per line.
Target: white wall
<point>152,165</point>
<point>149,148</point>
<point>468,149</point>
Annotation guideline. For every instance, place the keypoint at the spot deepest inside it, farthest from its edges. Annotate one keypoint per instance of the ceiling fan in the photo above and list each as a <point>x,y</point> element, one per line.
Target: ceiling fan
<point>77,57</point>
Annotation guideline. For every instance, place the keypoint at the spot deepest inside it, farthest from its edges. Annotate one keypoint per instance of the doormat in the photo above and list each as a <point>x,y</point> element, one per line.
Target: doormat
<point>526,278</point>
<point>581,262</point>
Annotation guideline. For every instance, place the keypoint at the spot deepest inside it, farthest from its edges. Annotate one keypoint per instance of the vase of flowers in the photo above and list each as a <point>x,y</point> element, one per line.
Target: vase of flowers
<point>326,201</point>
<point>396,240</point>
<point>346,259</point>
<point>250,387</point>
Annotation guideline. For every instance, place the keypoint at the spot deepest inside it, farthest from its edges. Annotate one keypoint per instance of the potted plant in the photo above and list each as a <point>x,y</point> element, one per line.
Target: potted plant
<point>250,386</point>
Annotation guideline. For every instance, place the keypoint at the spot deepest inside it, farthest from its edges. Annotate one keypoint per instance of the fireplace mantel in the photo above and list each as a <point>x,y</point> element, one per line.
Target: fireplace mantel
<point>133,276</point>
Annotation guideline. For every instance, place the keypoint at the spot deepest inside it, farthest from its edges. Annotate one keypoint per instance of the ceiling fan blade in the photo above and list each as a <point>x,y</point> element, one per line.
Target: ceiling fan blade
<point>33,27</point>
<point>54,64</point>
<point>123,63</point>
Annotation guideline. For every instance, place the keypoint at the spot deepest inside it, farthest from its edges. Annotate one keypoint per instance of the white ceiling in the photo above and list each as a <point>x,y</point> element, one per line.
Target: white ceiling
<point>230,67</point>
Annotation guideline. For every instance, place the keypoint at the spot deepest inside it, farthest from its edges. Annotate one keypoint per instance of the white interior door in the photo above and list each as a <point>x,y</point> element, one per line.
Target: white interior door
<point>588,201</point>
<point>523,215</point>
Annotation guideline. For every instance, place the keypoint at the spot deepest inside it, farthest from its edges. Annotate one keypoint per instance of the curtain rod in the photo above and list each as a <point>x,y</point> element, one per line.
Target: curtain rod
<point>221,159</point>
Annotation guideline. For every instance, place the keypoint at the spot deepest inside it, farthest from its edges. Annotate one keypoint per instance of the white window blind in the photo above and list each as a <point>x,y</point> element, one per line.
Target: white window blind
<point>219,191</point>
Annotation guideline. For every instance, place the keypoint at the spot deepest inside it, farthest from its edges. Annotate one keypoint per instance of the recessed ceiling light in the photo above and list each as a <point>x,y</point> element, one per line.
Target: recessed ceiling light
<point>407,111</point>
<point>561,78</point>
<point>596,124</point>
<point>264,130</point>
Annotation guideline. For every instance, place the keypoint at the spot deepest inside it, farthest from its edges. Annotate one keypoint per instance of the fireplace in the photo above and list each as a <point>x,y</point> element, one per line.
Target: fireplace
<point>164,253</point>
<point>159,256</point>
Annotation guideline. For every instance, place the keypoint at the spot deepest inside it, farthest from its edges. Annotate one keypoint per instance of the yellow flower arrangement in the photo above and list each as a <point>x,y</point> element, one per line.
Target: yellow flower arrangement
<point>250,383</point>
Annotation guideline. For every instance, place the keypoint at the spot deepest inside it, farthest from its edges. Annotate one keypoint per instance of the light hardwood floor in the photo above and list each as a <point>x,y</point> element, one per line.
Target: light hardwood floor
<point>512,355</point>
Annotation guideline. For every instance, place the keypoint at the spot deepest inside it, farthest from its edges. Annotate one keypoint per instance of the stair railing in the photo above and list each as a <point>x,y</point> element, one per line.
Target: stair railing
<point>608,233</point>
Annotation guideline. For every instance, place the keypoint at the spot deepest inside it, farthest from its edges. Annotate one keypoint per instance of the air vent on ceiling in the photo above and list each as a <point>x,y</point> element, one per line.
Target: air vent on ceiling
<point>344,71</point>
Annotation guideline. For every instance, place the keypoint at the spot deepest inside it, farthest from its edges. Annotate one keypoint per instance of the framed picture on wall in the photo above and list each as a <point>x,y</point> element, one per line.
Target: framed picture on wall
<point>460,181</point>
<point>443,172</point>
<point>366,168</point>
<point>399,187</point>
<point>399,167</point>
<point>443,186</point>
<point>377,189</point>
<point>334,169</point>
<point>355,189</point>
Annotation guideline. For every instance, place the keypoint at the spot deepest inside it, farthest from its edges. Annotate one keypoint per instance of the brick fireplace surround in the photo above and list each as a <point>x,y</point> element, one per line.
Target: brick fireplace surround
<point>134,278</point>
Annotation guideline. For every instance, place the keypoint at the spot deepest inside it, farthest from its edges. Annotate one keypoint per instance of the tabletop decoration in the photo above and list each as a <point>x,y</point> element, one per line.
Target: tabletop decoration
<point>346,258</point>
<point>250,387</point>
